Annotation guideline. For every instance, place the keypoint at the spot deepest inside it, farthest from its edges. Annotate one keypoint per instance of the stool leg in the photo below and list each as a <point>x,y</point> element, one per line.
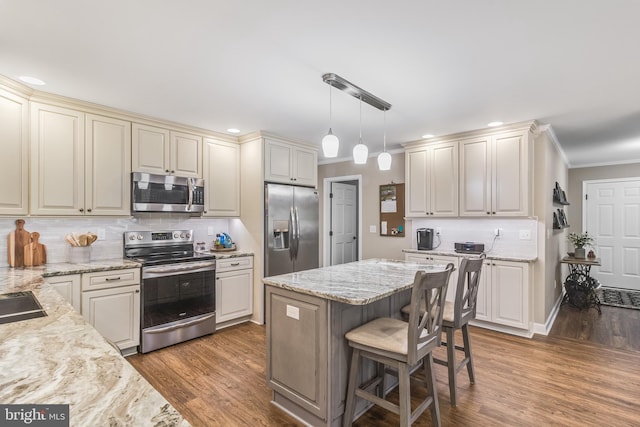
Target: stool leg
<point>430,379</point>
<point>354,371</point>
<point>467,352</point>
<point>451,364</point>
<point>382,386</point>
<point>405,394</point>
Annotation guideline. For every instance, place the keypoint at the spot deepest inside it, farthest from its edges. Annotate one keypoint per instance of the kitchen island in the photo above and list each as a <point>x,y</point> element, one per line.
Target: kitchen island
<point>309,312</point>
<point>61,359</point>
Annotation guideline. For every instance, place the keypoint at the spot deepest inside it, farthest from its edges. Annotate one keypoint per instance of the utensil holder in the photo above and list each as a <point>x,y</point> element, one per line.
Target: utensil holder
<point>79,254</point>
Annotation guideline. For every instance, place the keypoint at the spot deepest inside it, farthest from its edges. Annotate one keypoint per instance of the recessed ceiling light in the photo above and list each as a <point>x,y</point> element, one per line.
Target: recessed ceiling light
<point>494,124</point>
<point>427,136</point>
<point>31,80</point>
<point>233,130</point>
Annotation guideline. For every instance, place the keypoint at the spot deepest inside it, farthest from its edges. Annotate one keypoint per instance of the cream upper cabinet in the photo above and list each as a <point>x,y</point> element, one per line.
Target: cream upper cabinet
<point>57,160</point>
<point>494,175</point>
<point>14,163</point>
<point>80,165</point>
<point>222,178</point>
<point>162,151</point>
<point>107,166</point>
<point>290,164</point>
<point>432,180</point>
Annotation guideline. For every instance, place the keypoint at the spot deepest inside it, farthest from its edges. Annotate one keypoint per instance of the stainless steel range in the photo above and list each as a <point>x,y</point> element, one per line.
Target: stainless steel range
<point>178,287</point>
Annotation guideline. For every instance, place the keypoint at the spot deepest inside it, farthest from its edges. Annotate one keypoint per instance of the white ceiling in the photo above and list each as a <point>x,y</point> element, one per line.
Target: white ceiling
<point>445,66</point>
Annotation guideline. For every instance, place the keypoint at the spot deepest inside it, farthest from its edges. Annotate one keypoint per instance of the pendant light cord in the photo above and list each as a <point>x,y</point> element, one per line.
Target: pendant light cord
<point>330,104</point>
<point>360,120</point>
<point>384,135</point>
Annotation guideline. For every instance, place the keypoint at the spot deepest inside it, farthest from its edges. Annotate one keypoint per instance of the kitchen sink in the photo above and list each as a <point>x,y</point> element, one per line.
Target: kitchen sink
<point>17,306</point>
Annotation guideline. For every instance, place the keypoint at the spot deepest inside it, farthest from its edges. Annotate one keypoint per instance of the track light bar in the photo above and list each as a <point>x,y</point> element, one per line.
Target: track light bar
<point>353,90</point>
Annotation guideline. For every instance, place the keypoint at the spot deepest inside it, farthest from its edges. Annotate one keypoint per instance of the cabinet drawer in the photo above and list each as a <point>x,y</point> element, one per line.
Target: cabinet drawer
<point>230,264</point>
<point>110,279</point>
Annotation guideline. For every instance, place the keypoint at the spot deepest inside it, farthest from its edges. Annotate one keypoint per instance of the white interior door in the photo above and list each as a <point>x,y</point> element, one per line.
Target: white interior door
<point>344,243</point>
<point>612,210</point>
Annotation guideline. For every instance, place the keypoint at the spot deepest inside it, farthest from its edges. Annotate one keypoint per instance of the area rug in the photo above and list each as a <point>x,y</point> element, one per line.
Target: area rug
<point>619,297</point>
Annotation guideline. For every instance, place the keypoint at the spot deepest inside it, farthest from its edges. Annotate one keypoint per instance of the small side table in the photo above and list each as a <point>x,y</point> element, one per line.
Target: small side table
<point>580,287</point>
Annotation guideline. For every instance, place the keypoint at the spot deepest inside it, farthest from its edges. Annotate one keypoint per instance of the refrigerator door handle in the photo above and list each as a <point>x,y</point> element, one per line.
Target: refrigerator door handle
<point>292,234</point>
<point>297,237</point>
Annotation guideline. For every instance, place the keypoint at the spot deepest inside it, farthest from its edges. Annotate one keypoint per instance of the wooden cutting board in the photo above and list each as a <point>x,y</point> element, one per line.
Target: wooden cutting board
<point>35,253</point>
<point>17,240</point>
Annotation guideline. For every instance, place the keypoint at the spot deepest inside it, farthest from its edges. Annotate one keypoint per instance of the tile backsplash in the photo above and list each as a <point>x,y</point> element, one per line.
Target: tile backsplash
<point>483,231</point>
<point>53,230</point>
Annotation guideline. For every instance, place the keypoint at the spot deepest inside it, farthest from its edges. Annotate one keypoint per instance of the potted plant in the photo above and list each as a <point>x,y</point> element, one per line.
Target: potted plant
<point>579,241</point>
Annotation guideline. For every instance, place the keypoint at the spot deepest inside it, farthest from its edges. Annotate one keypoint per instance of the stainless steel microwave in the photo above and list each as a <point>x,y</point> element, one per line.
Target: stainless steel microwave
<point>166,193</point>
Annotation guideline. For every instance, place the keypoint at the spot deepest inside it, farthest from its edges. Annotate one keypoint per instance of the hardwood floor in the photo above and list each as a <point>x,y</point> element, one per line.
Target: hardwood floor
<point>562,379</point>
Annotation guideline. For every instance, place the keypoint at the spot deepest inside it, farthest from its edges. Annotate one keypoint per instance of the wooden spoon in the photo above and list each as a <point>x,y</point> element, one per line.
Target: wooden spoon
<point>91,237</point>
<point>69,238</point>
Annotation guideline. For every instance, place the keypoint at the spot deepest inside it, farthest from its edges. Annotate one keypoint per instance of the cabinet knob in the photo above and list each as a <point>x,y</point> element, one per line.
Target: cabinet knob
<point>89,210</point>
<point>137,291</point>
<point>205,211</point>
<point>173,171</point>
<point>493,213</point>
<point>166,170</point>
<point>488,213</point>
<point>81,210</point>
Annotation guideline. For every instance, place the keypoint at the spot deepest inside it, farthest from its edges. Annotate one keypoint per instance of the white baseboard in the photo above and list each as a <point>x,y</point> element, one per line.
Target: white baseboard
<point>543,329</point>
<point>526,333</point>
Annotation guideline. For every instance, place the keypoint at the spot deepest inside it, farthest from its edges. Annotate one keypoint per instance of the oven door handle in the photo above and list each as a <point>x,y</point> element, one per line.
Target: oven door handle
<point>179,326</point>
<point>163,271</point>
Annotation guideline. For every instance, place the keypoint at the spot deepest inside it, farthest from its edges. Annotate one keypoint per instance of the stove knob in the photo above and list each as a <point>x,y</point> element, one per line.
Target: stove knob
<point>139,236</point>
<point>176,235</point>
<point>132,237</point>
<point>182,235</point>
<point>188,235</point>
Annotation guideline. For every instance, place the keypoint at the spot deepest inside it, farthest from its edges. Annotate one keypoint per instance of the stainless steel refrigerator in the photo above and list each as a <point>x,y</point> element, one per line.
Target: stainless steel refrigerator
<point>291,229</point>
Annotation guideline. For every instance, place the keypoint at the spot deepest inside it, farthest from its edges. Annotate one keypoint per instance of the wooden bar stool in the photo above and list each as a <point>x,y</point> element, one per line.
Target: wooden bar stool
<point>401,345</point>
<point>456,316</point>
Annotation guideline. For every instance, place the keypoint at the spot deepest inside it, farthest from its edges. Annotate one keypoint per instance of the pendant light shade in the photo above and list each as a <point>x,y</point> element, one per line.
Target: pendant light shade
<point>330,145</point>
<point>384,158</point>
<point>384,161</point>
<point>360,154</point>
<point>330,142</point>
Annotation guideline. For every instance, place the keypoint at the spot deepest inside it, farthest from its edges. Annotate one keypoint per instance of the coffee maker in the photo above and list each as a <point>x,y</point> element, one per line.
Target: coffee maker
<point>425,238</point>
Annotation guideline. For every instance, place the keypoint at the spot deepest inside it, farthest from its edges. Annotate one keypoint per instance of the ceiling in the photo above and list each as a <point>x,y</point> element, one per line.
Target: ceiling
<point>445,66</point>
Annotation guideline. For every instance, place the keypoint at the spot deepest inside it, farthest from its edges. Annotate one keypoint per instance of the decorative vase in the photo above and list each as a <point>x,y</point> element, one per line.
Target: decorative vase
<point>580,253</point>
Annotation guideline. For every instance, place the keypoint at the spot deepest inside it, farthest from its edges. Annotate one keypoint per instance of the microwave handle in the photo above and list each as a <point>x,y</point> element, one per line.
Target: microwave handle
<point>191,189</point>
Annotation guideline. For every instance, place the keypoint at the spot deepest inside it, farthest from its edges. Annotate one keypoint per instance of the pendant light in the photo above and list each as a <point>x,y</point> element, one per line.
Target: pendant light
<point>330,142</point>
<point>384,158</point>
<point>360,151</point>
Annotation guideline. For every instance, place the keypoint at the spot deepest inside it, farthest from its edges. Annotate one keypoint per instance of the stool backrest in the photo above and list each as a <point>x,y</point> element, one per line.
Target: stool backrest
<point>467,290</point>
<point>429,290</point>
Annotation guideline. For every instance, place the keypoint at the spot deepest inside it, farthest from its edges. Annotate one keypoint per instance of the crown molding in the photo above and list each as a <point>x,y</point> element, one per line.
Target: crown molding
<point>265,134</point>
<point>547,129</point>
<point>530,125</point>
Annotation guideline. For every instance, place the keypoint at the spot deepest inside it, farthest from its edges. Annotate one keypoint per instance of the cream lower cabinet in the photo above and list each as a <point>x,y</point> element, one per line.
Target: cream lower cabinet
<point>14,162</point>
<point>69,287</point>
<point>222,178</point>
<point>439,259</point>
<point>111,304</point>
<point>503,295</point>
<point>290,164</point>
<point>234,289</point>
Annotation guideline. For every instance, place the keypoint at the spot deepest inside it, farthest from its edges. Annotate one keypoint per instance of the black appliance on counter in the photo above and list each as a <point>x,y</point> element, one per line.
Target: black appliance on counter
<point>178,287</point>
<point>425,238</point>
<point>469,248</point>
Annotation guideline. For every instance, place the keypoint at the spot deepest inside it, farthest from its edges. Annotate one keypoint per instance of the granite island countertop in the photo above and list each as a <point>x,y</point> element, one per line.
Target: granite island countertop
<point>61,359</point>
<point>355,283</point>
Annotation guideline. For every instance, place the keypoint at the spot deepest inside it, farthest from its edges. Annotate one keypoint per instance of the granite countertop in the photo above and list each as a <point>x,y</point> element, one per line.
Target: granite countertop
<point>496,256</point>
<point>355,283</point>
<point>230,254</point>
<point>61,359</point>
